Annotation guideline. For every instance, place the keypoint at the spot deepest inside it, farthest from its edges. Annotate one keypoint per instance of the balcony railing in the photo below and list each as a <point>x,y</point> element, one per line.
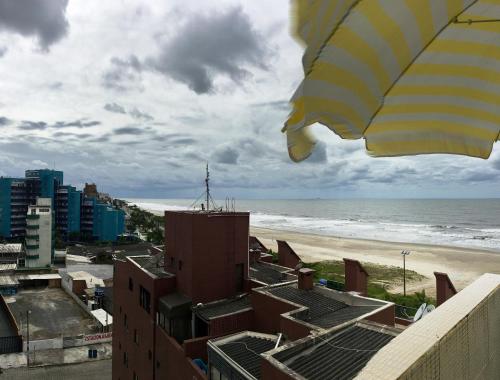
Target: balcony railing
<point>32,217</point>
<point>35,246</point>
<point>32,257</point>
<point>32,227</point>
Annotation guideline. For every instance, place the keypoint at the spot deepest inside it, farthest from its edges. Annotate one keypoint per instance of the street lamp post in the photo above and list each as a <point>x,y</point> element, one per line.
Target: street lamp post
<point>28,312</point>
<point>404,253</point>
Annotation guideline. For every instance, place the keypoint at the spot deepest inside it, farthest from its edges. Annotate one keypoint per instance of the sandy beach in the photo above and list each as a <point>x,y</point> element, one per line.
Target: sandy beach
<point>463,265</point>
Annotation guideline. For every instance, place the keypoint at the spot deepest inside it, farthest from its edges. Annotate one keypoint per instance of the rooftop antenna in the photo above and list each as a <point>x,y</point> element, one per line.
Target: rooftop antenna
<point>208,188</point>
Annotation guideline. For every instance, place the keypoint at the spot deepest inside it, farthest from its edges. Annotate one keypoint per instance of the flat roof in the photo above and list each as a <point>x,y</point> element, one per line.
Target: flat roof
<point>270,273</point>
<point>324,308</point>
<point>244,350</point>
<point>335,356</point>
<point>220,308</point>
<point>104,318</point>
<point>152,264</point>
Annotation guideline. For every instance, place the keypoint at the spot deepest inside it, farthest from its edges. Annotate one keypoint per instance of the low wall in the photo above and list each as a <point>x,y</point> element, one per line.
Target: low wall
<point>44,344</point>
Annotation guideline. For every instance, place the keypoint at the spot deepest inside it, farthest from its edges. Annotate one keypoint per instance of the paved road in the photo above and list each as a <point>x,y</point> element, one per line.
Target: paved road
<point>99,370</point>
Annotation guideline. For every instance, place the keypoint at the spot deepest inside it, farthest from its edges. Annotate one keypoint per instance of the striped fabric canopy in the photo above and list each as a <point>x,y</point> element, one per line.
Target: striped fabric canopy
<point>410,76</point>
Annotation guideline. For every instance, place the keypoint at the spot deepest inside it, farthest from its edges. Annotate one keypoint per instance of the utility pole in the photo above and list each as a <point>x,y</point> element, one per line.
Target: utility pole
<point>208,188</point>
<point>404,253</point>
<point>28,312</point>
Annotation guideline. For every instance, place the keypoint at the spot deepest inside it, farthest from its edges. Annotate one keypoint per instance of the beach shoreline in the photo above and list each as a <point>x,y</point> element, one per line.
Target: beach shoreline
<point>463,265</point>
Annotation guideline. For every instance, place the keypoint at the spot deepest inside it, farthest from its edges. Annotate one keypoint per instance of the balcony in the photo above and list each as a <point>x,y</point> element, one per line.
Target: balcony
<point>35,246</point>
<point>33,237</point>
<point>32,257</point>
<point>32,227</point>
<point>32,217</point>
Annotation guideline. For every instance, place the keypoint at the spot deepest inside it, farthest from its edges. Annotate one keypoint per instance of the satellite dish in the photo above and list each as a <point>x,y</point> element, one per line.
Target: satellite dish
<point>420,312</point>
<point>428,309</point>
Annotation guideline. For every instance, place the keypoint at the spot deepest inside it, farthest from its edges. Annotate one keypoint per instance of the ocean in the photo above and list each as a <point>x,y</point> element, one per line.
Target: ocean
<point>470,223</point>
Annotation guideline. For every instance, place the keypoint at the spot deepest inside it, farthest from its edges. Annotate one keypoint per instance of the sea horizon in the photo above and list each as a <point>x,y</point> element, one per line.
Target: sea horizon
<point>464,222</point>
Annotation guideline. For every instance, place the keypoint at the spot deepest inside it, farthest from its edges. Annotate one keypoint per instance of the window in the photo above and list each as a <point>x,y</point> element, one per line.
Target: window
<point>130,284</point>
<point>125,322</point>
<point>136,337</point>
<point>157,364</point>
<point>150,355</point>
<point>180,264</point>
<point>145,299</point>
<point>240,277</point>
<point>125,359</point>
<point>135,376</point>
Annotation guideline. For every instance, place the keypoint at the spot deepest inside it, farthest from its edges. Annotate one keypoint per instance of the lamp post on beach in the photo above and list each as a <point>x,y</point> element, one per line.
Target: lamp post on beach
<point>404,253</point>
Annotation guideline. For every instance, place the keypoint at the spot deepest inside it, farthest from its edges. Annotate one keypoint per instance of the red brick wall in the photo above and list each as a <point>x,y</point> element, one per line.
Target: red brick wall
<point>196,348</point>
<point>209,247</point>
<point>173,363</point>
<point>78,287</point>
<point>356,277</point>
<point>286,255</point>
<point>267,311</point>
<point>232,323</point>
<point>126,302</point>
<point>444,288</point>
<point>386,316</point>
<point>293,330</point>
<point>270,372</point>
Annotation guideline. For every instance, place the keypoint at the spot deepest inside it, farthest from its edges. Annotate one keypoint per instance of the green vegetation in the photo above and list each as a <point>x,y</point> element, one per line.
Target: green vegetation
<point>274,255</point>
<point>148,223</point>
<point>382,277</point>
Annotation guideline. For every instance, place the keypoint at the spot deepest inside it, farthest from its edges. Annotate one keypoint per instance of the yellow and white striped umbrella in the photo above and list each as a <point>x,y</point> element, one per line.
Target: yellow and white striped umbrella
<point>410,76</point>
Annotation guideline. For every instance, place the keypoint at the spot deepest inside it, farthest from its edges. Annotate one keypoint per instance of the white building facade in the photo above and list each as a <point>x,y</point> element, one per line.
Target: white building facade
<point>39,241</point>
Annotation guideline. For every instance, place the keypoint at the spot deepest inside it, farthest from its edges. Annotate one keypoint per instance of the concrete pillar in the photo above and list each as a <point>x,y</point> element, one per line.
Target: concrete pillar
<point>444,288</point>
<point>306,278</point>
<point>356,277</point>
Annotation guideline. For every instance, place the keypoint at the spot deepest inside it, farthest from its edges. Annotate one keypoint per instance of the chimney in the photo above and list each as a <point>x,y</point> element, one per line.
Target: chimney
<point>356,277</point>
<point>444,288</point>
<point>306,277</point>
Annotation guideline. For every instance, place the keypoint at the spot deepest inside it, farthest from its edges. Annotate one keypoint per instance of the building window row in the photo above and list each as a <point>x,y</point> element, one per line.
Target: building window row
<point>145,299</point>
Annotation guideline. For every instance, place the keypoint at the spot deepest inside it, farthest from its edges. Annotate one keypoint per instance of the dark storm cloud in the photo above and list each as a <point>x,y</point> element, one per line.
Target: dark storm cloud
<point>207,46</point>
<point>129,131</point>
<point>226,155</point>
<point>319,154</point>
<point>137,114</point>
<point>76,124</point>
<point>4,121</point>
<point>32,125</point>
<point>3,50</point>
<point>124,74</point>
<point>496,164</point>
<point>44,19</point>
<point>115,108</point>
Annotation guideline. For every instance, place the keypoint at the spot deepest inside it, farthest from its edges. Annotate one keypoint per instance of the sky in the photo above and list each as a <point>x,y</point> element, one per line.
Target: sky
<point>137,96</point>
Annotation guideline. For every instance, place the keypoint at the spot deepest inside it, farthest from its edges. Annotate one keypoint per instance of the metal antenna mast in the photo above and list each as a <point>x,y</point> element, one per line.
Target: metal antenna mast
<point>208,188</point>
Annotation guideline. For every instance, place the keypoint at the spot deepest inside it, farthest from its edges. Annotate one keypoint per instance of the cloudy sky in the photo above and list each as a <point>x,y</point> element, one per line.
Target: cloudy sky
<point>138,95</point>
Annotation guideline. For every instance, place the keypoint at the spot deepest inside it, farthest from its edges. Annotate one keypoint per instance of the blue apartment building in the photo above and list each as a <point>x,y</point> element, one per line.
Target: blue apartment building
<point>75,214</point>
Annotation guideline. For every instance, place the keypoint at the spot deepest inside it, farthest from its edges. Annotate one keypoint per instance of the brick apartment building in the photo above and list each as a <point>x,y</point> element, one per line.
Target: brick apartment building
<point>171,311</point>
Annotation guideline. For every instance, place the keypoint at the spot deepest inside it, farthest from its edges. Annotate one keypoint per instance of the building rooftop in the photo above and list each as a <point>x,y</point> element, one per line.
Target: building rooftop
<point>152,264</point>
<point>242,351</point>
<point>270,274</point>
<point>339,356</point>
<point>220,308</point>
<point>10,249</point>
<point>325,308</point>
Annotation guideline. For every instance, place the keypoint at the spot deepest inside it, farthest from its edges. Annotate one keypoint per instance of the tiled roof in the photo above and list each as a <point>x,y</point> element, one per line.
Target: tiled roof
<point>217,309</point>
<point>268,274</point>
<point>246,351</point>
<point>338,357</point>
<point>323,311</point>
